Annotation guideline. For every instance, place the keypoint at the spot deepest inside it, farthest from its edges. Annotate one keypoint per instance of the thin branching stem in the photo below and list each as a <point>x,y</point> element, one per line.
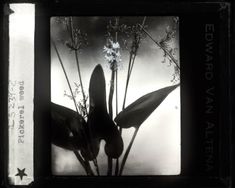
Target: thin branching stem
<point>129,73</point>
<point>127,80</point>
<point>116,92</point>
<point>131,64</point>
<point>66,76</point>
<point>82,88</point>
<point>116,36</point>
<point>160,46</point>
<point>110,103</point>
<point>128,151</point>
<point>85,164</point>
<point>111,91</point>
<point>130,67</point>
<point>77,63</point>
<point>117,160</point>
<point>96,166</point>
<point>71,30</point>
<point>80,80</point>
<point>113,81</point>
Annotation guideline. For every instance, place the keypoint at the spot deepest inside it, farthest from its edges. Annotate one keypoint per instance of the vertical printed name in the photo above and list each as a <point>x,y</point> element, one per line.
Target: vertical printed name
<point>21,94</point>
<point>21,113</point>
<point>209,98</point>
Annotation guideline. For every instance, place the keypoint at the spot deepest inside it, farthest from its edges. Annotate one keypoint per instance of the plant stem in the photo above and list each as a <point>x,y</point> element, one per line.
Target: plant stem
<point>131,64</point>
<point>82,88</point>
<point>66,76</point>
<point>111,91</point>
<point>116,38</point>
<point>117,167</point>
<point>80,80</point>
<point>77,63</point>
<point>110,166</point>
<point>127,80</point>
<point>116,83</point>
<point>96,166</point>
<point>116,92</point>
<point>128,151</point>
<point>85,164</point>
<point>124,101</point>
<point>165,50</point>
<point>117,160</point>
<point>71,30</point>
<point>130,67</point>
<point>114,69</point>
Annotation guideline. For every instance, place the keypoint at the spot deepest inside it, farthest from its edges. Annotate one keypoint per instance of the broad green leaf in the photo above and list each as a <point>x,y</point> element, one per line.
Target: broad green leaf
<point>67,128</point>
<point>137,112</point>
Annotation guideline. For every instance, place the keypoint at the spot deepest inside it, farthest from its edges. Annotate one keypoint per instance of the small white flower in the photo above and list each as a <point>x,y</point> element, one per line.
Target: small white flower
<point>108,50</point>
<point>116,45</point>
<point>109,58</point>
<point>112,55</point>
<point>118,54</point>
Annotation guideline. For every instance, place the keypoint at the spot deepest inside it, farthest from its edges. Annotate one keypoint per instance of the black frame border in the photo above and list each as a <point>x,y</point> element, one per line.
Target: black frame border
<point>45,10</point>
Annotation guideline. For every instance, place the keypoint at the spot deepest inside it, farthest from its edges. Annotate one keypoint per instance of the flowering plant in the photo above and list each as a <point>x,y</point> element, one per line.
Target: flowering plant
<point>81,131</point>
<point>112,55</point>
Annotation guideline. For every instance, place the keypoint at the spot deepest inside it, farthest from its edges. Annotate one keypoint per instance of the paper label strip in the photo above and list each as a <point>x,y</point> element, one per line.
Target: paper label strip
<point>21,93</point>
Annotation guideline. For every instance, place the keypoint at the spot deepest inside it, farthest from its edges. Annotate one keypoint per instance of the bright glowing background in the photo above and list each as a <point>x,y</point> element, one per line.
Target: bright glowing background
<point>156,150</point>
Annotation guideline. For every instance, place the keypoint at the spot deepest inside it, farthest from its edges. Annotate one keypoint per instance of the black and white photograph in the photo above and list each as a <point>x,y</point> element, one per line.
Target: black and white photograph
<point>115,95</point>
<point>127,94</point>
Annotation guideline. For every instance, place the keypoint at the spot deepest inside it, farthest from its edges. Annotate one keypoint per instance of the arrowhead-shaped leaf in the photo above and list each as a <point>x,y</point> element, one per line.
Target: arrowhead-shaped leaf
<point>67,128</point>
<point>100,125</point>
<point>97,92</point>
<point>137,112</point>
